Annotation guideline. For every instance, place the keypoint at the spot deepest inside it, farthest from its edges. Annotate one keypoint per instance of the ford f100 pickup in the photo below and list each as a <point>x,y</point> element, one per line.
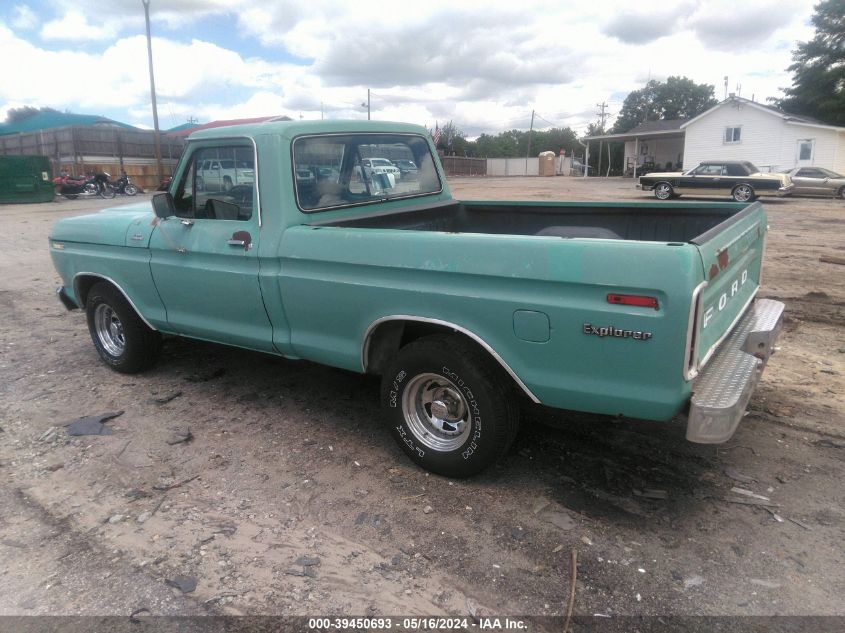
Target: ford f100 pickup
<point>463,308</point>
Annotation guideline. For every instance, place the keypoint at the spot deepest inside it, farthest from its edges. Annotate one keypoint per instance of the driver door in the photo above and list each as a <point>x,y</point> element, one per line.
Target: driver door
<point>204,260</point>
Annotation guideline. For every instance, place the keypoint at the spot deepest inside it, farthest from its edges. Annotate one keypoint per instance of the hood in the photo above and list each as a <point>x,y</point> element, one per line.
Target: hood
<point>110,227</point>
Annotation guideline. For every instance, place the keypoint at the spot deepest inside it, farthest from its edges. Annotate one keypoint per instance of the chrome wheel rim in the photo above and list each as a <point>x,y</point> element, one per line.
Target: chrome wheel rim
<point>742,194</point>
<point>436,412</point>
<point>663,191</point>
<point>109,330</point>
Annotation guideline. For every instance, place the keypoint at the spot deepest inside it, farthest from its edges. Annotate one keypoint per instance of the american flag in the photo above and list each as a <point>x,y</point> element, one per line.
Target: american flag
<point>436,135</point>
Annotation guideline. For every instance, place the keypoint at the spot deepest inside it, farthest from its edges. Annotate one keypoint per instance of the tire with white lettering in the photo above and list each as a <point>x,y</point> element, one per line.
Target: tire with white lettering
<point>123,340</point>
<point>449,406</point>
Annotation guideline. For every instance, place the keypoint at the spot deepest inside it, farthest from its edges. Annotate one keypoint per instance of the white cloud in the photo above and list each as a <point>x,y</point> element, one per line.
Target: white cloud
<point>74,26</point>
<point>484,65</point>
<point>24,18</point>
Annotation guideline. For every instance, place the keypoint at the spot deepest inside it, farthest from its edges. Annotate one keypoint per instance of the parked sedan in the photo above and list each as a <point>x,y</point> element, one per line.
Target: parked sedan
<point>817,181</point>
<point>739,179</point>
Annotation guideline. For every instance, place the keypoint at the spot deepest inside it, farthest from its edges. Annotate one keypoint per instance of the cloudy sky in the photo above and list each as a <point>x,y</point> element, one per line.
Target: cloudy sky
<point>484,65</point>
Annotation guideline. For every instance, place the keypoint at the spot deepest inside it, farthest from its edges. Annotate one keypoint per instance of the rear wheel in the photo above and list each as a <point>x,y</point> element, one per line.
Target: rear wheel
<point>742,193</point>
<point>663,191</point>
<point>448,406</point>
<point>841,193</point>
<point>123,340</point>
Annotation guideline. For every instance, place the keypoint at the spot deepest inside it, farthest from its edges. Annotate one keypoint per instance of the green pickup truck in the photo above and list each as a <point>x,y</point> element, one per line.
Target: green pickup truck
<point>463,308</point>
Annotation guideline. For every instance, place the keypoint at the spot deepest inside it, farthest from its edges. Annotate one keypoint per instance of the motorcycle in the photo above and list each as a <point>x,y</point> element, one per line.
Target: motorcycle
<point>72,187</point>
<point>124,187</point>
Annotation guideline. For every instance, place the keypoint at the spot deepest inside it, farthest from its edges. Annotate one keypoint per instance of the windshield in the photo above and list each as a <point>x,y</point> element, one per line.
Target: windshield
<point>348,170</point>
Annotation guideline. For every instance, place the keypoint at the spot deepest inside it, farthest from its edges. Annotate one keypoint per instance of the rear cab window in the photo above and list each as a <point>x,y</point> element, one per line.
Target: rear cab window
<point>340,170</point>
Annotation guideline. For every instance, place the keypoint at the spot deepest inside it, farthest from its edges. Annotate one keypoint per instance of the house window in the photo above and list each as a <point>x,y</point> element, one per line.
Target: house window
<point>805,149</point>
<point>733,134</point>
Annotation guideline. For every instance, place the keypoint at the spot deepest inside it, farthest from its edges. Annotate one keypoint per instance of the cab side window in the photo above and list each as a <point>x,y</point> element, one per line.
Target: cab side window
<point>219,184</point>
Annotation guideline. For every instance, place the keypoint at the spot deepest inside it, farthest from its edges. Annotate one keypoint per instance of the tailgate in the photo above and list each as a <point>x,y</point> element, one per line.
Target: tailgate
<point>732,255</point>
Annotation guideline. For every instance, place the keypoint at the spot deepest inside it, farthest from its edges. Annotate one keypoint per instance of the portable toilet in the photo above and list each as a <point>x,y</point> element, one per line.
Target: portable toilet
<point>547,163</point>
<point>25,179</point>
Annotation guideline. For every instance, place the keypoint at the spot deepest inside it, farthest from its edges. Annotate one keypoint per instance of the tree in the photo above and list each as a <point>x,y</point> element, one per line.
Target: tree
<point>676,98</point>
<point>514,143</point>
<point>14,115</point>
<point>818,68</point>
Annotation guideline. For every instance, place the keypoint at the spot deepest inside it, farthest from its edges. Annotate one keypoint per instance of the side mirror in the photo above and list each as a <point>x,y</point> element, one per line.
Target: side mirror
<point>163,205</point>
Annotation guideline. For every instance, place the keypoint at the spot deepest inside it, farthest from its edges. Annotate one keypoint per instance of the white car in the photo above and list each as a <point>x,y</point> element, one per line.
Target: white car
<point>382,166</point>
<point>221,174</point>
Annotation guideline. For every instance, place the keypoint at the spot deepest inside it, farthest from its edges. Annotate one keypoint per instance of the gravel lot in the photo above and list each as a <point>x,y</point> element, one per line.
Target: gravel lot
<point>290,460</point>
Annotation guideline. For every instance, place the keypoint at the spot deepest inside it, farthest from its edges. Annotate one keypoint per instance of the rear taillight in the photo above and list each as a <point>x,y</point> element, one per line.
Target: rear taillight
<point>634,300</point>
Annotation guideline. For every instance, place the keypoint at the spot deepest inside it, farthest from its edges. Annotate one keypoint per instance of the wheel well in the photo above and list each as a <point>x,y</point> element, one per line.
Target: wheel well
<point>83,283</point>
<point>82,286</point>
<point>389,337</point>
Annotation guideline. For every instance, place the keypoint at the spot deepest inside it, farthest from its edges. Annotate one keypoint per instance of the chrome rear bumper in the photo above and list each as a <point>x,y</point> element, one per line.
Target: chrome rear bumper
<point>722,390</point>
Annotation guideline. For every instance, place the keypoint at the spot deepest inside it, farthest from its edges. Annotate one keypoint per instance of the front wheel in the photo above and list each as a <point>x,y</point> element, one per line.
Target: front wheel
<point>122,339</point>
<point>130,190</point>
<point>448,406</point>
<point>107,191</point>
<point>227,183</point>
<point>742,193</point>
<point>841,193</point>
<point>663,191</point>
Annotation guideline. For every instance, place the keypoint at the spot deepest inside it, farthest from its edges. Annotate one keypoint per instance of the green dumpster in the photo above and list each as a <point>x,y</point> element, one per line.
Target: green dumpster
<point>25,179</point>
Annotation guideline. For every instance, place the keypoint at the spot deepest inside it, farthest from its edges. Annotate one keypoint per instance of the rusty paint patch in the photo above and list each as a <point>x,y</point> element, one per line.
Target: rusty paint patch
<point>714,270</point>
<point>723,259</point>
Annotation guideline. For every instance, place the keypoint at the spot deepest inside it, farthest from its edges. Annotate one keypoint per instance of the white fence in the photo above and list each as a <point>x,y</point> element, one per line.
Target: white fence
<point>525,166</point>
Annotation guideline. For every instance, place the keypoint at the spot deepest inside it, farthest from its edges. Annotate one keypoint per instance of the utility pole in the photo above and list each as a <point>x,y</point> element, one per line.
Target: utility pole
<point>146,4</point>
<point>602,116</point>
<point>528,153</point>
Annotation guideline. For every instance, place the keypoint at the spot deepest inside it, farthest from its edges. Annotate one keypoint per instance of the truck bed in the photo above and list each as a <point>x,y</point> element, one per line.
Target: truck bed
<point>666,222</point>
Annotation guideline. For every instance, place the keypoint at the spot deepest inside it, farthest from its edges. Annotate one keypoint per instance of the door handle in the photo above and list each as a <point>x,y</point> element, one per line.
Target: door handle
<point>242,239</point>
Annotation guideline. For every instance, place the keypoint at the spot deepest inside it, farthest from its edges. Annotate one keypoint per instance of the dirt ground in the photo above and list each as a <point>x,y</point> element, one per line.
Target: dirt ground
<point>290,460</point>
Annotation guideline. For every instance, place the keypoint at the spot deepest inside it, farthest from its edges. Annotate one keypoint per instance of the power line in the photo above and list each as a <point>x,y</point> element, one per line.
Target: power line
<point>542,118</point>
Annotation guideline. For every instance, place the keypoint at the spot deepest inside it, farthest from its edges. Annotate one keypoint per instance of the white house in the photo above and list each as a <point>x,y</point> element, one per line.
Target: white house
<point>739,129</point>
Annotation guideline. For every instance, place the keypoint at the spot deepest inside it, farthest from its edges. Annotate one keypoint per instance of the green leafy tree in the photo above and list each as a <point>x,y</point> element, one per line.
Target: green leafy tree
<point>514,143</point>
<point>676,98</point>
<point>452,140</point>
<point>14,115</point>
<point>818,68</point>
